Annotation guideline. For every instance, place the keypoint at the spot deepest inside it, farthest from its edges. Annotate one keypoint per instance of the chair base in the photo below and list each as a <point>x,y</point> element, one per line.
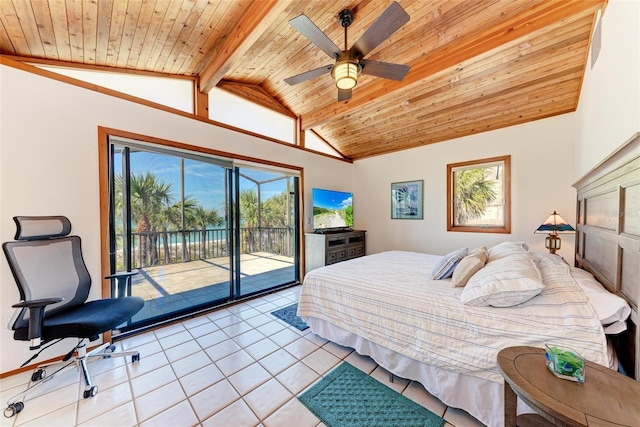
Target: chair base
<point>105,351</point>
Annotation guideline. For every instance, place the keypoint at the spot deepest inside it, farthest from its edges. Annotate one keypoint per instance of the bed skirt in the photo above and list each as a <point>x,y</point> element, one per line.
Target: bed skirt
<point>483,399</point>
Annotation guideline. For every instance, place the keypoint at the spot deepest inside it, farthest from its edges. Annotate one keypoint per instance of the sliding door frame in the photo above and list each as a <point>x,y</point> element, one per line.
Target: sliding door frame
<point>105,202</point>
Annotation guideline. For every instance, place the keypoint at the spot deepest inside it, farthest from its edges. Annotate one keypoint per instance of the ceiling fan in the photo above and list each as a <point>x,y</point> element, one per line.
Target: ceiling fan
<point>349,63</point>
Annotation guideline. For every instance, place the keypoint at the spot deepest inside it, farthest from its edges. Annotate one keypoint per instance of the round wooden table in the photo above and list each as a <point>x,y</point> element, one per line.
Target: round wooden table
<point>606,398</point>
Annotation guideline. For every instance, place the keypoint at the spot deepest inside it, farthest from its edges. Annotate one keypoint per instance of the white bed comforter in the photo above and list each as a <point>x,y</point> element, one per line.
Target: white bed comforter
<point>390,299</point>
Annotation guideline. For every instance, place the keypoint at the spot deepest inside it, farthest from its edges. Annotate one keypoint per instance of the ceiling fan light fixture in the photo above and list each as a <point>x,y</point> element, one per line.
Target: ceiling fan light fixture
<point>345,74</point>
<point>349,63</point>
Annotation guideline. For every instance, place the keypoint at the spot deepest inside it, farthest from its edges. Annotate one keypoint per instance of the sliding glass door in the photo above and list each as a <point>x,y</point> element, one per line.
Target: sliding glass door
<point>266,249</point>
<point>199,231</point>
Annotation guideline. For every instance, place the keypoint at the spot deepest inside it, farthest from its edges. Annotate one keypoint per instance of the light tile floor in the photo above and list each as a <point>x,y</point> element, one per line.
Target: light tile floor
<point>237,366</point>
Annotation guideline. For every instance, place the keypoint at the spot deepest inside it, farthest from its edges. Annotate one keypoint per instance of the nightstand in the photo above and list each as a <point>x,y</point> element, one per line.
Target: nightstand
<point>606,397</point>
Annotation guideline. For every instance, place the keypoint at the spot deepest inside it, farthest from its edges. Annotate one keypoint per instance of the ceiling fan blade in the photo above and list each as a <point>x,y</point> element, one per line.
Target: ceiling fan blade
<point>308,29</point>
<point>388,23</point>
<point>385,70</point>
<point>344,94</point>
<point>308,75</point>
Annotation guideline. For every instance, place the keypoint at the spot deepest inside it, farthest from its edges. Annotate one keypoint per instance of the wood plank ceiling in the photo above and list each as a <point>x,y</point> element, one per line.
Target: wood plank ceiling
<point>476,65</point>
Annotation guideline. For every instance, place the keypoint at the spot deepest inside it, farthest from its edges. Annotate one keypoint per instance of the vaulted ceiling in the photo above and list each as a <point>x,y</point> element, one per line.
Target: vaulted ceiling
<point>476,65</point>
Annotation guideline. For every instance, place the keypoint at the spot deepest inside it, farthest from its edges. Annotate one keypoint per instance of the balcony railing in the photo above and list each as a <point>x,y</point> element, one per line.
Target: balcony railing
<point>172,247</point>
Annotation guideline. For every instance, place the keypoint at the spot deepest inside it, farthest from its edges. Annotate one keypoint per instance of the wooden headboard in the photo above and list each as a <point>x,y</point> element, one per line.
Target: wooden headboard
<point>608,236</point>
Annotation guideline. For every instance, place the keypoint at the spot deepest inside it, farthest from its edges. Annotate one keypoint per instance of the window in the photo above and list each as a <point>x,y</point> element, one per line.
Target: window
<point>173,92</point>
<point>233,110</point>
<point>479,195</point>
<point>314,142</point>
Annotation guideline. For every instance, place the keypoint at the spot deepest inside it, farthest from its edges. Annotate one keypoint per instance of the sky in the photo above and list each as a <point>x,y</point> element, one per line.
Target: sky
<point>203,181</point>
<point>329,199</point>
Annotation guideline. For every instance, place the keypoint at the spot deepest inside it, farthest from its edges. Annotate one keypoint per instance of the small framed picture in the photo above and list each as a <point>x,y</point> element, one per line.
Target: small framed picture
<point>406,200</point>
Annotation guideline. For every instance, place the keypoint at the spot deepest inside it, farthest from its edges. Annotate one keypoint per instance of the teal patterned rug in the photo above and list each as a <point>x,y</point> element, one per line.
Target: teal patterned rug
<point>347,397</point>
<point>288,314</point>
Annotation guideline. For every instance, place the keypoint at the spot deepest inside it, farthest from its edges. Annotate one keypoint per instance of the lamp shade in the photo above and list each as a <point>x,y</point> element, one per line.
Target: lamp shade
<point>346,75</point>
<point>555,224</point>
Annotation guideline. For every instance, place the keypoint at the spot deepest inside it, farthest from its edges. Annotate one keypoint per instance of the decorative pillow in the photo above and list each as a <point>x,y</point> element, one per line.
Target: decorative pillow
<point>504,249</point>
<point>444,268</point>
<point>469,266</point>
<point>504,282</point>
<point>481,252</point>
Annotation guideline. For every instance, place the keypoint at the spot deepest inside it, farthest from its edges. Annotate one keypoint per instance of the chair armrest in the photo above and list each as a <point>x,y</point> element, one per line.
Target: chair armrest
<point>36,317</point>
<point>37,303</point>
<point>124,274</point>
<point>121,283</point>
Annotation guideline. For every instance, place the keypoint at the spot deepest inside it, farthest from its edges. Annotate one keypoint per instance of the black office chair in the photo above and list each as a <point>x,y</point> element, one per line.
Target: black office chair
<point>54,285</point>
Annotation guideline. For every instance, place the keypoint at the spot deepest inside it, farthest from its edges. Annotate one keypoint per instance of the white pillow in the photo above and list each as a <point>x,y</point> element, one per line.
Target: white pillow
<point>553,258</point>
<point>504,249</point>
<point>611,309</point>
<point>469,266</point>
<point>444,268</point>
<point>505,282</point>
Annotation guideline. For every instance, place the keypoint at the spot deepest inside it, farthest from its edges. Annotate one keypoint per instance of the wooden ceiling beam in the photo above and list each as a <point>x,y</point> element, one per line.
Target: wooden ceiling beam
<point>256,19</point>
<point>461,49</point>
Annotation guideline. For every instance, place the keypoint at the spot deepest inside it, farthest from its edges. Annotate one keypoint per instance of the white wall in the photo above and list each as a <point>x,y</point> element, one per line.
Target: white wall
<point>542,172</point>
<point>609,110</point>
<point>49,165</point>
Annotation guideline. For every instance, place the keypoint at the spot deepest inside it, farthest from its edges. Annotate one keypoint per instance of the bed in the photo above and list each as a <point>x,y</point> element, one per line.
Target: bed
<point>387,305</point>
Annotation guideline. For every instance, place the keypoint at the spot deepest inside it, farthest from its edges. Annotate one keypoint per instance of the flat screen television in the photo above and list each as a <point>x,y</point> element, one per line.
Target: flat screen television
<point>332,210</point>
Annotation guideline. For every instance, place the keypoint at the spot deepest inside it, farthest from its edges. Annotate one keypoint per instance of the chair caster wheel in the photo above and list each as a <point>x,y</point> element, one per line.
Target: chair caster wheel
<point>135,358</point>
<point>109,349</point>
<point>90,392</point>
<point>38,375</point>
<point>13,409</point>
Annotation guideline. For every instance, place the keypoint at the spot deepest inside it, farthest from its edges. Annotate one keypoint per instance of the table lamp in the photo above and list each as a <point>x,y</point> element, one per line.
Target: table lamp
<point>554,225</point>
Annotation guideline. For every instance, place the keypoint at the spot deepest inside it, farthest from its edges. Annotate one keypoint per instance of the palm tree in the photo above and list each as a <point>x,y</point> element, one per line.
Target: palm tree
<point>473,192</point>
<point>276,214</point>
<point>274,211</point>
<point>203,218</point>
<point>249,208</point>
<point>171,218</point>
<point>149,196</point>
<point>249,217</point>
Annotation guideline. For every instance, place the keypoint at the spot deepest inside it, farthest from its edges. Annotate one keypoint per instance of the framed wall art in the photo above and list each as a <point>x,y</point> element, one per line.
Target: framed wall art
<point>406,200</point>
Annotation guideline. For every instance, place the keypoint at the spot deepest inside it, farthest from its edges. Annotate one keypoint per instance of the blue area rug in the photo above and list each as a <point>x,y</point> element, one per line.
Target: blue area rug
<point>347,397</point>
<point>288,314</point>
